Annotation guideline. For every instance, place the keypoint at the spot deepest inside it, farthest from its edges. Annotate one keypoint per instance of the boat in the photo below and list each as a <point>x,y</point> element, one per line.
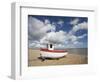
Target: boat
<point>50,52</point>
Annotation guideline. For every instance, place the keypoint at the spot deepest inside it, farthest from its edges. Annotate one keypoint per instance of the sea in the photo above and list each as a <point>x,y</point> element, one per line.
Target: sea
<point>80,51</point>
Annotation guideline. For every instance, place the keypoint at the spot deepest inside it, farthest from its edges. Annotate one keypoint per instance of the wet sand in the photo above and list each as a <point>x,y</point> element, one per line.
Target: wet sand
<point>33,59</point>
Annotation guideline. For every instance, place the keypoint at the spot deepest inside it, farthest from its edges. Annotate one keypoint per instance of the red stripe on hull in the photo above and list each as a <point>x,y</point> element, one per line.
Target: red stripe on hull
<point>57,51</point>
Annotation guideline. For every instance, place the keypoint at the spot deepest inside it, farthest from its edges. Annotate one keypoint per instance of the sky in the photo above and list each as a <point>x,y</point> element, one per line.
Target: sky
<point>62,31</point>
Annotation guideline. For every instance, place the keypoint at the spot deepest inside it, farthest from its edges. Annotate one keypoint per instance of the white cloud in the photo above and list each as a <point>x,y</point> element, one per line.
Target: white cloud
<point>60,46</point>
<point>34,28</point>
<point>74,22</point>
<point>79,26</point>
<point>60,22</point>
<point>83,25</point>
<point>47,21</point>
<point>37,29</point>
<point>62,39</point>
<point>73,41</point>
<point>36,45</point>
<point>82,36</point>
<point>54,37</point>
<point>74,38</point>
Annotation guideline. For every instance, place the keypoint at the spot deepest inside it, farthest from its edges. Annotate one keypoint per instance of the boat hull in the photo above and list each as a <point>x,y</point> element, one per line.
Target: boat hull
<point>46,54</point>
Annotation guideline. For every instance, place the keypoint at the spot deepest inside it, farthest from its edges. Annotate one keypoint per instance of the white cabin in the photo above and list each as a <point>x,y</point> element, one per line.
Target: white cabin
<point>50,46</point>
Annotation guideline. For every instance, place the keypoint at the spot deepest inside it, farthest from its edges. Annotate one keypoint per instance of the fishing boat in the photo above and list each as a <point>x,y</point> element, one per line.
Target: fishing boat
<point>50,52</point>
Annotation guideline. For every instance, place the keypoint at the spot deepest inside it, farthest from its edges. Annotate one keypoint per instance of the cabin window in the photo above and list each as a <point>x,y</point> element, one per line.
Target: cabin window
<point>50,45</point>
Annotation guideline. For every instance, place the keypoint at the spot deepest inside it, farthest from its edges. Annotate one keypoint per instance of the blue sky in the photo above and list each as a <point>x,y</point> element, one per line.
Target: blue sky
<point>63,31</point>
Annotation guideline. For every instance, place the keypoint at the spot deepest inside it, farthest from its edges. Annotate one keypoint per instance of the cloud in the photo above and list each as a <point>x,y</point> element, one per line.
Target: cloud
<point>74,22</point>
<point>83,25</point>
<point>60,22</point>
<point>62,39</point>
<point>82,36</point>
<point>47,21</point>
<point>36,45</point>
<point>34,28</point>
<point>60,46</point>
<point>73,41</point>
<point>37,29</point>
<point>54,37</point>
<point>79,26</point>
<point>73,38</point>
